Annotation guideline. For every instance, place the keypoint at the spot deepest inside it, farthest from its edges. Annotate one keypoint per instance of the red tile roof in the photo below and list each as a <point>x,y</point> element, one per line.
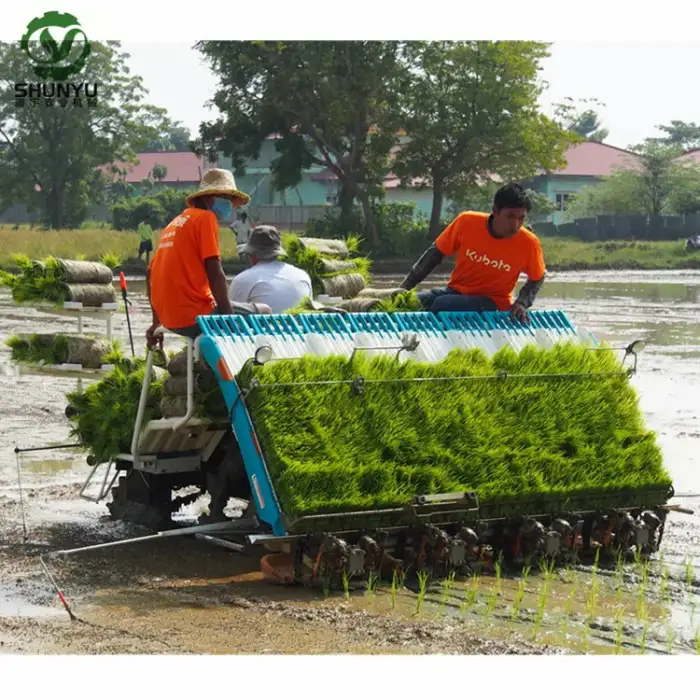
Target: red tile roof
<point>691,155</point>
<point>596,160</point>
<point>181,167</point>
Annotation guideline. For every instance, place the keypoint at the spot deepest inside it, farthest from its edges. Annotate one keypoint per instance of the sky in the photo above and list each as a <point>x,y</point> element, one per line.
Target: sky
<point>642,84</point>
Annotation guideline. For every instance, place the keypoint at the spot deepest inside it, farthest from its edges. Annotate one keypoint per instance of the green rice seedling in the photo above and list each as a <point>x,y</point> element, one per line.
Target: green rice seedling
<point>541,605</point>
<point>446,587</point>
<point>670,636</point>
<point>638,560</point>
<point>665,591</point>
<point>491,601</point>
<point>592,600</point>
<point>422,586</point>
<point>470,594</point>
<point>346,584</point>
<point>641,607</point>
<point>619,576</point>
<point>594,568</point>
<point>645,633</point>
<point>696,640</point>
<point>689,573</point>
<point>394,588</point>
<point>372,583</point>
<point>400,438</point>
<point>406,301</point>
<point>517,601</point>
<point>618,630</point>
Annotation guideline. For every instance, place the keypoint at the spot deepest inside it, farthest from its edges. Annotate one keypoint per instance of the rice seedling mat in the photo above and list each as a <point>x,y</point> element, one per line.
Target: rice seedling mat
<point>529,425</point>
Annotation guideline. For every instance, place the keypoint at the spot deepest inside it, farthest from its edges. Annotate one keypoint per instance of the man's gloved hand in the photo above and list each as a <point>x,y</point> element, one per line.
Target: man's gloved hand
<point>154,339</point>
<point>519,312</point>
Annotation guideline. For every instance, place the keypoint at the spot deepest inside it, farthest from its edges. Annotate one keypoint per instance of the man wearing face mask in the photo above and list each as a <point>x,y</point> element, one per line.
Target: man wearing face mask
<point>185,278</point>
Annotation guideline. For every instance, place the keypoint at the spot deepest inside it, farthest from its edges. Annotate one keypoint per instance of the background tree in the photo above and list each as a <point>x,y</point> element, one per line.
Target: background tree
<point>685,135</point>
<point>664,183</point>
<point>585,122</point>
<point>480,198</point>
<point>52,153</point>
<point>172,136</point>
<point>331,102</point>
<point>159,172</point>
<point>470,110</point>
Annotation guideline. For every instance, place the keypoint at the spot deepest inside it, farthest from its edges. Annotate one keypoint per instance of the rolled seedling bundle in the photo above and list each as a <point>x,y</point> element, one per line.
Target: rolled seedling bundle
<point>346,286</point>
<point>58,349</point>
<point>176,385</point>
<point>177,365</point>
<point>91,294</point>
<point>83,272</point>
<point>360,304</point>
<point>375,293</point>
<point>326,246</point>
<point>209,405</point>
<point>38,268</point>
<point>330,266</point>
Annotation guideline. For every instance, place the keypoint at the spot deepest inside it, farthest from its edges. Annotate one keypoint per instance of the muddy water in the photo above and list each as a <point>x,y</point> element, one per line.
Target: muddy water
<point>653,610</point>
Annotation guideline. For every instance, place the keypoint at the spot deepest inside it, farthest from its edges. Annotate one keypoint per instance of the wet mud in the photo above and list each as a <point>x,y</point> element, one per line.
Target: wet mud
<point>185,596</point>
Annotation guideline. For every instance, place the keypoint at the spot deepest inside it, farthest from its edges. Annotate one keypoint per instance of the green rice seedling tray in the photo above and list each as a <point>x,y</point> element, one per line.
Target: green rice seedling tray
<point>326,438</point>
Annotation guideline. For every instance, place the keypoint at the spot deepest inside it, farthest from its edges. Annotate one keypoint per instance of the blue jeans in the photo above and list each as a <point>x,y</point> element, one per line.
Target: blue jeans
<point>447,299</point>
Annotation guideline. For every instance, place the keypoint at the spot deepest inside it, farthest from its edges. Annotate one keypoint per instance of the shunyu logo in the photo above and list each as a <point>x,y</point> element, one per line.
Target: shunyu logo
<point>481,258</point>
<point>56,62</point>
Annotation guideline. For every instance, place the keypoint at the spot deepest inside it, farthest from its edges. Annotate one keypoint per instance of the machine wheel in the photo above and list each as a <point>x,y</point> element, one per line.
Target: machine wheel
<point>225,476</point>
<point>143,499</point>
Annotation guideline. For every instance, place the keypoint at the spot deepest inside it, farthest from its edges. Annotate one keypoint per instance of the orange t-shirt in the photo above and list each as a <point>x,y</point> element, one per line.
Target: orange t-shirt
<point>180,288</point>
<point>488,266</point>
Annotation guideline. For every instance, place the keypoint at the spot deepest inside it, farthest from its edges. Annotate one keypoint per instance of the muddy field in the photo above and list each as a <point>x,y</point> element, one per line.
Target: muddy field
<point>184,596</point>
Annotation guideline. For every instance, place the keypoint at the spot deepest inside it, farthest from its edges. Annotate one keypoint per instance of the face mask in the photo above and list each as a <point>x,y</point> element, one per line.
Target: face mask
<point>222,208</point>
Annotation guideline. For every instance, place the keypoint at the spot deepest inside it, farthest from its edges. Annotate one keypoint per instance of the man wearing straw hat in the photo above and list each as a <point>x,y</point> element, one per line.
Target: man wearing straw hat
<point>269,281</point>
<point>185,278</point>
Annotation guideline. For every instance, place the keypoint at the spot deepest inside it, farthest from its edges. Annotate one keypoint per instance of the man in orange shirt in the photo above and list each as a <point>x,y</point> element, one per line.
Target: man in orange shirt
<point>185,278</point>
<point>491,251</point>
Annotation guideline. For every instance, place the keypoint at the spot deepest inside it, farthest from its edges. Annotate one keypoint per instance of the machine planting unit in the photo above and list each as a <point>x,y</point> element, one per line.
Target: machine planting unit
<point>438,532</point>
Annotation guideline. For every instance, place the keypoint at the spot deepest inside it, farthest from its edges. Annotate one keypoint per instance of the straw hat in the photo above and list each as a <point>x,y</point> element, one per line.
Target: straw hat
<point>220,183</point>
<point>263,243</point>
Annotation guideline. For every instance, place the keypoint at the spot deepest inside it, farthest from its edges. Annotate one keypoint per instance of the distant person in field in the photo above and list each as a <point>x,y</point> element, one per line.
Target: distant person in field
<point>269,280</point>
<point>242,228</point>
<point>693,243</point>
<point>491,251</point>
<point>145,231</point>
<point>185,278</point>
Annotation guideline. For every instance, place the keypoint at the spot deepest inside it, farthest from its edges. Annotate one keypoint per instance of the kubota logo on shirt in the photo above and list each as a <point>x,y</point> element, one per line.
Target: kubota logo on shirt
<point>497,264</point>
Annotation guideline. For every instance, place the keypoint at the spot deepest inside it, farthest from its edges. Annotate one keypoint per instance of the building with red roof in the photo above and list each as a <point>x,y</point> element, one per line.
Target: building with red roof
<point>172,169</point>
<point>586,164</point>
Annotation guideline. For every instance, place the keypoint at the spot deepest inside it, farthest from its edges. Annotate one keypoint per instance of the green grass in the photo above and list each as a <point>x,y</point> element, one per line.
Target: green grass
<point>330,449</point>
<point>566,254</point>
<point>560,253</point>
<point>92,243</point>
